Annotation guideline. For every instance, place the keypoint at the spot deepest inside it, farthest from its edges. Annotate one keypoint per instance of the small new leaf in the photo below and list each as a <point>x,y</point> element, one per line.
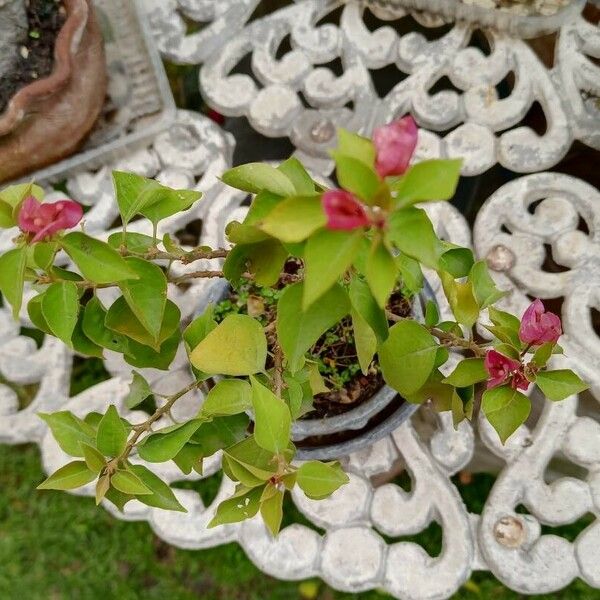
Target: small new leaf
<point>111,437</point>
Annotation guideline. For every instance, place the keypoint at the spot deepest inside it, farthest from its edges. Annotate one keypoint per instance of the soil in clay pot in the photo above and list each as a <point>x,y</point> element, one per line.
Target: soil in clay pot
<point>35,56</point>
<point>334,353</point>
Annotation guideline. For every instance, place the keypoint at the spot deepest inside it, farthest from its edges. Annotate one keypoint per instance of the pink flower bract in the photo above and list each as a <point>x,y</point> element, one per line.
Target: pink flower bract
<point>539,326</point>
<point>343,210</point>
<point>503,369</point>
<point>44,220</point>
<point>394,145</point>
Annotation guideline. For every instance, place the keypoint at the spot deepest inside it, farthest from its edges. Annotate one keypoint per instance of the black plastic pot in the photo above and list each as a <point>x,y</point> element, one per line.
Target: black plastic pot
<point>333,437</point>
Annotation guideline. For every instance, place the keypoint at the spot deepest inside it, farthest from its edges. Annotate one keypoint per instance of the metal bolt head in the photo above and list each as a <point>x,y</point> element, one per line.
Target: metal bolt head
<point>500,258</point>
<point>510,532</point>
<point>322,131</point>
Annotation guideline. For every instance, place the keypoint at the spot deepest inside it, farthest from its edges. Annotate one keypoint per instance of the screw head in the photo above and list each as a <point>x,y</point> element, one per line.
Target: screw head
<point>510,532</point>
<point>500,258</point>
<point>322,131</point>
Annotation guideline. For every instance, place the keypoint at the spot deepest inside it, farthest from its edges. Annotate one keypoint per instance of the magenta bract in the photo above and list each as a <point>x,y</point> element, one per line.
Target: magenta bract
<point>44,220</point>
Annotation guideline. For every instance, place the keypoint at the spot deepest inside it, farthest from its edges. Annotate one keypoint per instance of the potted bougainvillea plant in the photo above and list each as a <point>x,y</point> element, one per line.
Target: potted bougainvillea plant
<point>318,311</point>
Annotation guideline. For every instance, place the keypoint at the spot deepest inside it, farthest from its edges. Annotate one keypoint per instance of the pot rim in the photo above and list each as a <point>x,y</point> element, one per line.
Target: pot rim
<point>67,43</point>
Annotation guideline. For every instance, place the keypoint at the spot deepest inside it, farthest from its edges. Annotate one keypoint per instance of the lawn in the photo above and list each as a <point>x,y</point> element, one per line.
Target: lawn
<point>56,546</point>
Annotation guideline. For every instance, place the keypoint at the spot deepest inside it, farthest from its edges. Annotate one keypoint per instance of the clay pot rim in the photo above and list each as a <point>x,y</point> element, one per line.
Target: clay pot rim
<point>67,41</point>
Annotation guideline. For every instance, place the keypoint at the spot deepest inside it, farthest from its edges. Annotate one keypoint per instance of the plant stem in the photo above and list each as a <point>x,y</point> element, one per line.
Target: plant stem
<point>144,427</point>
<point>447,338</point>
<point>278,371</point>
<point>186,259</point>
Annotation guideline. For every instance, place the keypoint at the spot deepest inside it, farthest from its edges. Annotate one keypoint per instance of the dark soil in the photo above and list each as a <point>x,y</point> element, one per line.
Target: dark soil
<point>35,57</point>
<point>334,352</point>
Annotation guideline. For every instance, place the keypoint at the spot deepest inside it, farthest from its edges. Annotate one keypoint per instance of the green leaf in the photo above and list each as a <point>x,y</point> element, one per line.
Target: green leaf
<point>199,328</point>
<point>428,180</point>
<point>134,242</point>
<point>410,272</point>
<point>162,496</point>
<point>293,169</point>
<point>271,510</point>
<point>461,300</point>
<point>264,260</point>
<point>319,480</point>
<point>129,483</point>
<point>166,443</point>
<point>327,256</point>
<point>407,356</point>
<point>189,459</point>
<point>143,357</point>
<point>272,419</point>
<point>134,193</point>
<point>484,287</point>
<point>60,308</point>
<point>506,409</point>
<point>93,459</point>
<point>560,384</point>
<point>294,219</point>
<point>543,354</point>
<point>139,195</point>
<point>44,253</point>
<point>457,261</point>
<point>237,346</point>
<point>243,505</point>
<point>258,177</point>
<point>356,177</point>
<point>508,350</point>
<point>298,330</point>
<point>12,197</point>
<point>242,233</point>
<point>93,327</point>
<point>69,431</point>
<point>467,372</point>
<point>139,390</point>
<point>365,341</point>
<point>118,498</point>
<point>81,343</point>
<point>111,437</point>
<point>146,295</point>
<point>411,231</point>
<point>220,432</point>
<point>96,260</point>
<point>228,397</point>
<point>121,319</point>
<point>256,460</point>
<point>12,276</point>
<point>364,303</point>
<point>503,319</point>
<point>262,204</point>
<point>432,315</point>
<point>356,146</point>
<point>381,272</point>
<point>102,487</point>
<point>71,476</point>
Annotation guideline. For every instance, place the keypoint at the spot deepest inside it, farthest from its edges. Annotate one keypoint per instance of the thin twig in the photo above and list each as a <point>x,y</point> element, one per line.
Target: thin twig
<point>447,338</point>
<point>144,427</point>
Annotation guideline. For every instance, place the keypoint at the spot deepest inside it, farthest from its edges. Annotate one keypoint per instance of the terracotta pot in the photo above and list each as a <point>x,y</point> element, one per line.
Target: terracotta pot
<point>48,119</point>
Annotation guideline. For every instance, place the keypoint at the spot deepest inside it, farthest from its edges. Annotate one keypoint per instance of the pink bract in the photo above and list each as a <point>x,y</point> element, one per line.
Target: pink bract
<point>44,220</point>
<point>503,369</point>
<point>539,326</point>
<point>395,144</point>
<point>343,210</point>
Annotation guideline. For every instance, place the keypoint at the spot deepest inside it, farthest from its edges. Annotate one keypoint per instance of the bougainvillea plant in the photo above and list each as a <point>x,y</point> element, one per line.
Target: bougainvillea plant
<point>354,247</point>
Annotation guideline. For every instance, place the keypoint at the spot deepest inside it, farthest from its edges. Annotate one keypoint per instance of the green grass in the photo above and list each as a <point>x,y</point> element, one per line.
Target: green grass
<point>54,546</point>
